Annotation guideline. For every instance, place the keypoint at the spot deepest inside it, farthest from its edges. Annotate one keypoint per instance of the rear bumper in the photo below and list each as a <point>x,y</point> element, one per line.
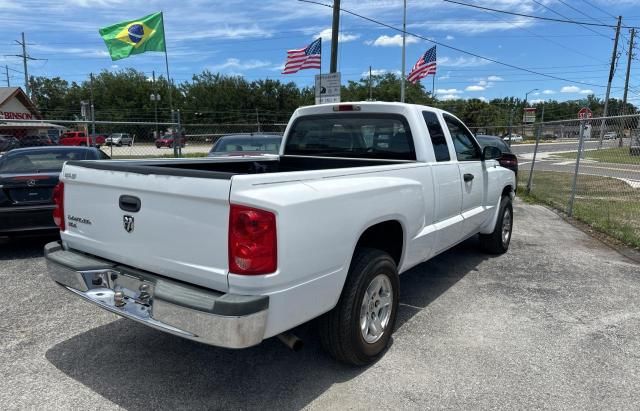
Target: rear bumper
<point>26,219</point>
<point>207,316</point>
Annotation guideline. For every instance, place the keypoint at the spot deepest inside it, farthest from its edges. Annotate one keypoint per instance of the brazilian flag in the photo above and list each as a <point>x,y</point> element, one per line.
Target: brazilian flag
<point>134,36</point>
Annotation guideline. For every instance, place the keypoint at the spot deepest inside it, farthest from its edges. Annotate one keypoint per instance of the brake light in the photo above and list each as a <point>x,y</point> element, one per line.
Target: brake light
<point>58,200</point>
<point>346,107</point>
<point>252,241</point>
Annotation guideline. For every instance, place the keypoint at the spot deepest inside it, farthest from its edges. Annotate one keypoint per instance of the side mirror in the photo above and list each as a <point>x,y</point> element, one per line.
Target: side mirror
<point>491,153</point>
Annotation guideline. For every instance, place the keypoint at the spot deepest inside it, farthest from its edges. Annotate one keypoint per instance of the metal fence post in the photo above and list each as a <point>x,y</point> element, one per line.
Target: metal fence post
<point>178,136</point>
<point>575,174</point>
<point>535,151</point>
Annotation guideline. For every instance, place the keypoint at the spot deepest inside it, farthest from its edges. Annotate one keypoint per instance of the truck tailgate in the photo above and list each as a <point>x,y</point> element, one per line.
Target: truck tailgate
<point>180,230</point>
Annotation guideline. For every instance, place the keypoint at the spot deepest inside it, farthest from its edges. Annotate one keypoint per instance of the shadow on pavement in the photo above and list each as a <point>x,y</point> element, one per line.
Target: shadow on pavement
<point>24,247</point>
<point>137,367</point>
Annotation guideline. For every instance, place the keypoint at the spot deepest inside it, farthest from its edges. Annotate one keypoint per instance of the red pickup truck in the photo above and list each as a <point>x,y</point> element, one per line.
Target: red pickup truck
<point>79,138</point>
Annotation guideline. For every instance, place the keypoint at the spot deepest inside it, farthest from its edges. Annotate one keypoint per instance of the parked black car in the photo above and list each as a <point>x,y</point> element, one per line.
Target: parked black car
<point>508,159</point>
<point>35,141</point>
<point>8,143</point>
<point>27,179</point>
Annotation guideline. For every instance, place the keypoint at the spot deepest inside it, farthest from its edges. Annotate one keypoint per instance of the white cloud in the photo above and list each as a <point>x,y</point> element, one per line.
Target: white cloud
<point>448,91</point>
<point>379,72</point>
<point>234,63</point>
<point>391,41</point>
<point>462,62</point>
<point>586,91</point>
<point>570,89</point>
<point>475,88</point>
<point>342,38</point>
<point>495,78</point>
<point>447,96</point>
<point>449,37</point>
<point>446,76</point>
<point>473,27</point>
<point>536,101</point>
<point>547,91</point>
<point>232,33</point>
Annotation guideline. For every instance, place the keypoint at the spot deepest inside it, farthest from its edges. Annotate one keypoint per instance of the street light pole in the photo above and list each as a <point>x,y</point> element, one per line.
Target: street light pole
<point>526,96</point>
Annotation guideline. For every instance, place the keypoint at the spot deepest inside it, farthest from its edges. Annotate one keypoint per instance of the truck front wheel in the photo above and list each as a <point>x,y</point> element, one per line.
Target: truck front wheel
<point>498,241</point>
<point>359,328</point>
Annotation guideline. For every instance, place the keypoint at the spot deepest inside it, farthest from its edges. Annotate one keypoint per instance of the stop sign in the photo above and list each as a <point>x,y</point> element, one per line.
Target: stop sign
<point>584,113</point>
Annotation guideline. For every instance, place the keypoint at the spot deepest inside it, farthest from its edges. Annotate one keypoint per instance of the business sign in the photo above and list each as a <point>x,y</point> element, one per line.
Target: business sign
<point>328,88</point>
<point>11,115</point>
<point>529,115</point>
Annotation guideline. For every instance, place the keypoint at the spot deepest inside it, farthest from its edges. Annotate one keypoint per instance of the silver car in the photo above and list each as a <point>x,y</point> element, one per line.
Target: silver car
<point>119,139</point>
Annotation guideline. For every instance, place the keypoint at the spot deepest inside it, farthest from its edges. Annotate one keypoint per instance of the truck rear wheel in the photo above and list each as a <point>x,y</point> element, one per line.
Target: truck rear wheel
<point>359,328</point>
<point>498,241</point>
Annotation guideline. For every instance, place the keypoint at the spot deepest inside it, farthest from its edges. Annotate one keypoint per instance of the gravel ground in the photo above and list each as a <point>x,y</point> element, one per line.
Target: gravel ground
<point>554,323</point>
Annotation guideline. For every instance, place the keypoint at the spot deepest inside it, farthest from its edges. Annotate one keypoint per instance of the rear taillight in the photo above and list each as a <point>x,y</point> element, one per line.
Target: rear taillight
<point>58,200</point>
<point>252,241</point>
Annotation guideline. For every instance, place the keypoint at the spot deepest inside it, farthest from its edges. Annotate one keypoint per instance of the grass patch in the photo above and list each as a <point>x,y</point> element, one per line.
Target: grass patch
<point>618,155</point>
<point>608,205</point>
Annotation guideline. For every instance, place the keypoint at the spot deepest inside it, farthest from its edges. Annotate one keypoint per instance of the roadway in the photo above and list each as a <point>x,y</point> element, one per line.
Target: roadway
<point>545,161</point>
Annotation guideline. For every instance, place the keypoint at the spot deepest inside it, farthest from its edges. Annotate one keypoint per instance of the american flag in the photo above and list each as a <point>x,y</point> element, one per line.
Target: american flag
<point>425,65</point>
<point>306,58</point>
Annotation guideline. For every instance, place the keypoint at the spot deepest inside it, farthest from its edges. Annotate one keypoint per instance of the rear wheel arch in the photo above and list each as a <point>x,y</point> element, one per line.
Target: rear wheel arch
<point>386,236</point>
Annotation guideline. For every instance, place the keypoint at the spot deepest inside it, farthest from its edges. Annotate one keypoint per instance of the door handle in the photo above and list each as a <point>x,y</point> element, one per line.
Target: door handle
<point>130,203</point>
<point>468,177</point>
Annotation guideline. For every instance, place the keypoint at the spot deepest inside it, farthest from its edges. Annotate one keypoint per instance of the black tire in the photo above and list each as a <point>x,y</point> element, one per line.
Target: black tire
<point>340,331</point>
<point>130,143</point>
<point>497,242</point>
<point>83,144</point>
<point>119,144</point>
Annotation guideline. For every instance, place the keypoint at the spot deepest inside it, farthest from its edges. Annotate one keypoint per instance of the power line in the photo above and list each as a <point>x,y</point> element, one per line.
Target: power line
<point>454,48</point>
<point>561,15</point>
<point>598,8</point>
<point>580,23</point>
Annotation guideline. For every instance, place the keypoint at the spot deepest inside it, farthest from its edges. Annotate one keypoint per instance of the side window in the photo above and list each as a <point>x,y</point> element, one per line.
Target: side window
<point>438,140</point>
<point>466,148</point>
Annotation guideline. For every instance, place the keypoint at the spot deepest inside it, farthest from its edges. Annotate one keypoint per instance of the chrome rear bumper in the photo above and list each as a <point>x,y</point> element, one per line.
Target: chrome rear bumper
<point>207,316</point>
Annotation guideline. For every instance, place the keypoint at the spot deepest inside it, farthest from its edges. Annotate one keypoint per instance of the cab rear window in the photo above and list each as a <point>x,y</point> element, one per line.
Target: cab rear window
<point>377,136</point>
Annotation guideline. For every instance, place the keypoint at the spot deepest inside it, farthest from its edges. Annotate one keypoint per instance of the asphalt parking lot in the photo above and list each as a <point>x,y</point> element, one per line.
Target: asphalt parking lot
<point>554,323</point>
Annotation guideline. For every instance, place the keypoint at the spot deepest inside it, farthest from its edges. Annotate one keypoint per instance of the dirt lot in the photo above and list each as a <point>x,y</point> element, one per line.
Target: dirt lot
<point>554,323</point>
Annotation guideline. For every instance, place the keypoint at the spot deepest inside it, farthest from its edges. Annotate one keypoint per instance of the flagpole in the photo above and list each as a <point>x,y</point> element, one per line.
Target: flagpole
<point>320,78</point>
<point>404,38</point>
<point>166,62</point>
<point>433,85</point>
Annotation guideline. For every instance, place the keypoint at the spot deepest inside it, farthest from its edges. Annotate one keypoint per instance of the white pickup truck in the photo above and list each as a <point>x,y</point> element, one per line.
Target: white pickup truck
<point>232,251</point>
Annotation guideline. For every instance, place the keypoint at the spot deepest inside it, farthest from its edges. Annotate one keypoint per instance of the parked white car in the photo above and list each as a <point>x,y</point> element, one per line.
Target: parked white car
<point>515,138</point>
<point>610,135</point>
<point>359,193</point>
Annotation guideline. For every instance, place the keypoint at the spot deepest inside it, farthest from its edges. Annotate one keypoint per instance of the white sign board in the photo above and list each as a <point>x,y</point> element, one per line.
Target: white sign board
<point>328,88</point>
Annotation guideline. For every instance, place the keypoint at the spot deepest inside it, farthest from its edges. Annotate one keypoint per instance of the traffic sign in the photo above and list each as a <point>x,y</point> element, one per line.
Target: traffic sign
<point>585,113</point>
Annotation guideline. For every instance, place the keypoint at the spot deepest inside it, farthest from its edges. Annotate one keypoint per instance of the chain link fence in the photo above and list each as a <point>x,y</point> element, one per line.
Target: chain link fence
<point>129,140</point>
<point>590,170</point>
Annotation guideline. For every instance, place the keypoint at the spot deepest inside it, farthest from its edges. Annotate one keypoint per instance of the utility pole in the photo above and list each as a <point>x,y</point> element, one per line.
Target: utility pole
<point>404,45</point>
<point>6,70</point>
<point>335,33</point>
<point>626,81</point>
<point>612,70</point>
<point>93,113</point>
<point>25,57</point>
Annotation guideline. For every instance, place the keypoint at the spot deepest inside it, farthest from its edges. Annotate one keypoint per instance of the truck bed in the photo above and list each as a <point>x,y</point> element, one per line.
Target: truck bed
<point>226,168</point>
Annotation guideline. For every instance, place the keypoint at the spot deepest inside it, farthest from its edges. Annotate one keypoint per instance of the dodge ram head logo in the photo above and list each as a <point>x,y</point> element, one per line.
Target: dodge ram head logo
<point>127,220</point>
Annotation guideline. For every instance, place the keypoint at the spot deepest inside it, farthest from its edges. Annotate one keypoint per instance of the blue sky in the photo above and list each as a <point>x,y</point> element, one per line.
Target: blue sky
<point>250,38</point>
